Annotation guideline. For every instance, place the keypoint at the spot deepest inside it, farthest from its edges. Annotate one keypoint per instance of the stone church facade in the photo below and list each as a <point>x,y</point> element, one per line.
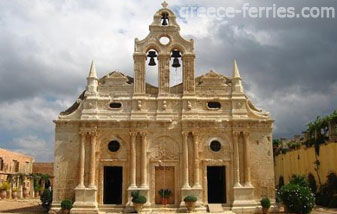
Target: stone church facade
<point>202,137</point>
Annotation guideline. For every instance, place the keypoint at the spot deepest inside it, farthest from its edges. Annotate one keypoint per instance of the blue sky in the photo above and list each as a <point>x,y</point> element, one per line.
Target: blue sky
<point>289,66</point>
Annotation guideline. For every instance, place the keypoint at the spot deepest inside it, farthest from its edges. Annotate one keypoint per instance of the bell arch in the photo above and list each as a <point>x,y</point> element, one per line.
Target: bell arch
<point>164,25</point>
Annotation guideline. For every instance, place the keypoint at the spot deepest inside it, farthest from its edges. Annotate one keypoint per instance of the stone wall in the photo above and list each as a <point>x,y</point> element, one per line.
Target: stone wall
<point>44,168</point>
<point>301,162</point>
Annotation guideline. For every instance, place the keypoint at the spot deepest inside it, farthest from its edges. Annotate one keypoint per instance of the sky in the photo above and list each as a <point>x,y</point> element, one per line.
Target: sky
<point>288,65</point>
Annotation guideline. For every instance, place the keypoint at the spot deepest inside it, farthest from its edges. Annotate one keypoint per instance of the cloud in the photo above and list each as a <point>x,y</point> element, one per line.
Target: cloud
<point>40,149</point>
<point>288,65</point>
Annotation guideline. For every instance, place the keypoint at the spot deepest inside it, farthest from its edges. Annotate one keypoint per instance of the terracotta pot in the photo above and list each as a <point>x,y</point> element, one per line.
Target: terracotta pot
<point>3,194</point>
<point>65,211</point>
<point>14,195</point>
<point>190,205</point>
<point>164,201</point>
<point>265,210</point>
<point>138,206</point>
<point>25,192</point>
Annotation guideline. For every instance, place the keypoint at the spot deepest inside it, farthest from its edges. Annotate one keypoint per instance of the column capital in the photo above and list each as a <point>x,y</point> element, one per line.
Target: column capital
<point>236,133</point>
<point>93,133</point>
<point>83,132</point>
<point>196,134</point>
<point>246,134</point>
<point>185,133</point>
<point>143,133</point>
<point>133,133</point>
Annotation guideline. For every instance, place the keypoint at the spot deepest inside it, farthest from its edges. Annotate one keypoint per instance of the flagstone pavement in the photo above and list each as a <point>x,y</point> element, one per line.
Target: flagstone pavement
<point>32,206</point>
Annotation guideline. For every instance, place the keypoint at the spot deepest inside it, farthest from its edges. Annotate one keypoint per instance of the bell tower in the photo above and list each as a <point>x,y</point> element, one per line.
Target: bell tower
<point>162,44</point>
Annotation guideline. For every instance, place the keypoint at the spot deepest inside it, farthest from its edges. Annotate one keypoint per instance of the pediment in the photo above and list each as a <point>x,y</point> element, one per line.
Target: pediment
<point>211,78</point>
<point>116,78</point>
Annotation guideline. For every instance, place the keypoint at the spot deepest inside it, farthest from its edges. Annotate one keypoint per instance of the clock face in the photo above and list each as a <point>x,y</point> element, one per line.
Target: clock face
<point>114,146</point>
<point>215,146</point>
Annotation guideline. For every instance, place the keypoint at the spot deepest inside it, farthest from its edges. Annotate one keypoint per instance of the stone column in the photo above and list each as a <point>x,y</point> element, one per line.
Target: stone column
<point>185,161</point>
<point>236,159</point>
<point>188,74</point>
<point>93,136</point>
<point>164,74</point>
<point>133,160</point>
<point>196,162</point>
<point>247,160</point>
<point>82,159</point>
<point>139,72</point>
<point>143,162</point>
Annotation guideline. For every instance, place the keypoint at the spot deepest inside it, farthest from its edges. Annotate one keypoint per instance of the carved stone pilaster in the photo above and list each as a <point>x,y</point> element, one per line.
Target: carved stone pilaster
<point>133,160</point>
<point>196,184</point>
<point>188,74</point>
<point>164,74</point>
<point>83,135</point>
<point>93,139</point>
<point>236,159</point>
<point>185,161</point>
<point>139,72</point>
<point>143,161</point>
<point>247,160</point>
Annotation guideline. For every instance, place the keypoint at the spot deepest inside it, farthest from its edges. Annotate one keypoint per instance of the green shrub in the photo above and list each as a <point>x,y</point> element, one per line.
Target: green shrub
<point>265,202</point>
<point>4,186</point>
<point>297,199</point>
<point>137,198</point>
<point>299,180</point>
<point>190,198</point>
<point>333,202</point>
<point>327,191</point>
<point>66,204</point>
<point>46,199</point>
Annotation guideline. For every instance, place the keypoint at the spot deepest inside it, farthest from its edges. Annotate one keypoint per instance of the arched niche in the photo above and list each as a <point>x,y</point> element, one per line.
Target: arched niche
<point>163,148</point>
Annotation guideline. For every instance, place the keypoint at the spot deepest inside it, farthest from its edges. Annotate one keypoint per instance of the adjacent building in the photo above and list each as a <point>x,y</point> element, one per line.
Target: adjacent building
<point>12,164</point>
<point>201,137</point>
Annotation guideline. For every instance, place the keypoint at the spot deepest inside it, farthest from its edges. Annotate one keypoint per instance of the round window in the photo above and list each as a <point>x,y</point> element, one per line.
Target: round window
<point>164,40</point>
<point>215,146</point>
<point>114,146</point>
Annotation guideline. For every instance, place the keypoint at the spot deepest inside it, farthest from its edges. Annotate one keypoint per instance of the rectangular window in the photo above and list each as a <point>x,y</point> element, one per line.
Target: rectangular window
<point>16,165</point>
<point>1,164</point>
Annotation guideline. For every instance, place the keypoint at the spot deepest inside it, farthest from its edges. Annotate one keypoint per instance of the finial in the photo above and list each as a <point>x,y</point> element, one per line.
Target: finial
<point>92,72</point>
<point>164,4</point>
<point>236,70</point>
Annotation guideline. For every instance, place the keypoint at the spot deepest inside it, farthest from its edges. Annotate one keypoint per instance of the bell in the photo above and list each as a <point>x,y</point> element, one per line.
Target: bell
<point>152,62</point>
<point>176,63</point>
<point>175,54</point>
<point>164,22</point>
<point>152,54</point>
<point>164,17</point>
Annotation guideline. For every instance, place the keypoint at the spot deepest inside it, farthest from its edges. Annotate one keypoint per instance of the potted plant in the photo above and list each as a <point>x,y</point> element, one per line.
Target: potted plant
<point>25,192</point>
<point>190,202</point>
<point>138,200</point>
<point>4,187</point>
<point>265,203</point>
<point>66,205</point>
<point>164,194</point>
<point>14,193</point>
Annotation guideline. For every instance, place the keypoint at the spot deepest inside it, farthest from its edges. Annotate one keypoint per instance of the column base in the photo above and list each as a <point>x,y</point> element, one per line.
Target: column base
<point>244,197</point>
<point>85,199</point>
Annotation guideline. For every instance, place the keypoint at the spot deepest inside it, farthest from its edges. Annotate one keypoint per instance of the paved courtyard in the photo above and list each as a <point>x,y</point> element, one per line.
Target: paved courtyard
<point>33,207</point>
<point>21,206</point>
